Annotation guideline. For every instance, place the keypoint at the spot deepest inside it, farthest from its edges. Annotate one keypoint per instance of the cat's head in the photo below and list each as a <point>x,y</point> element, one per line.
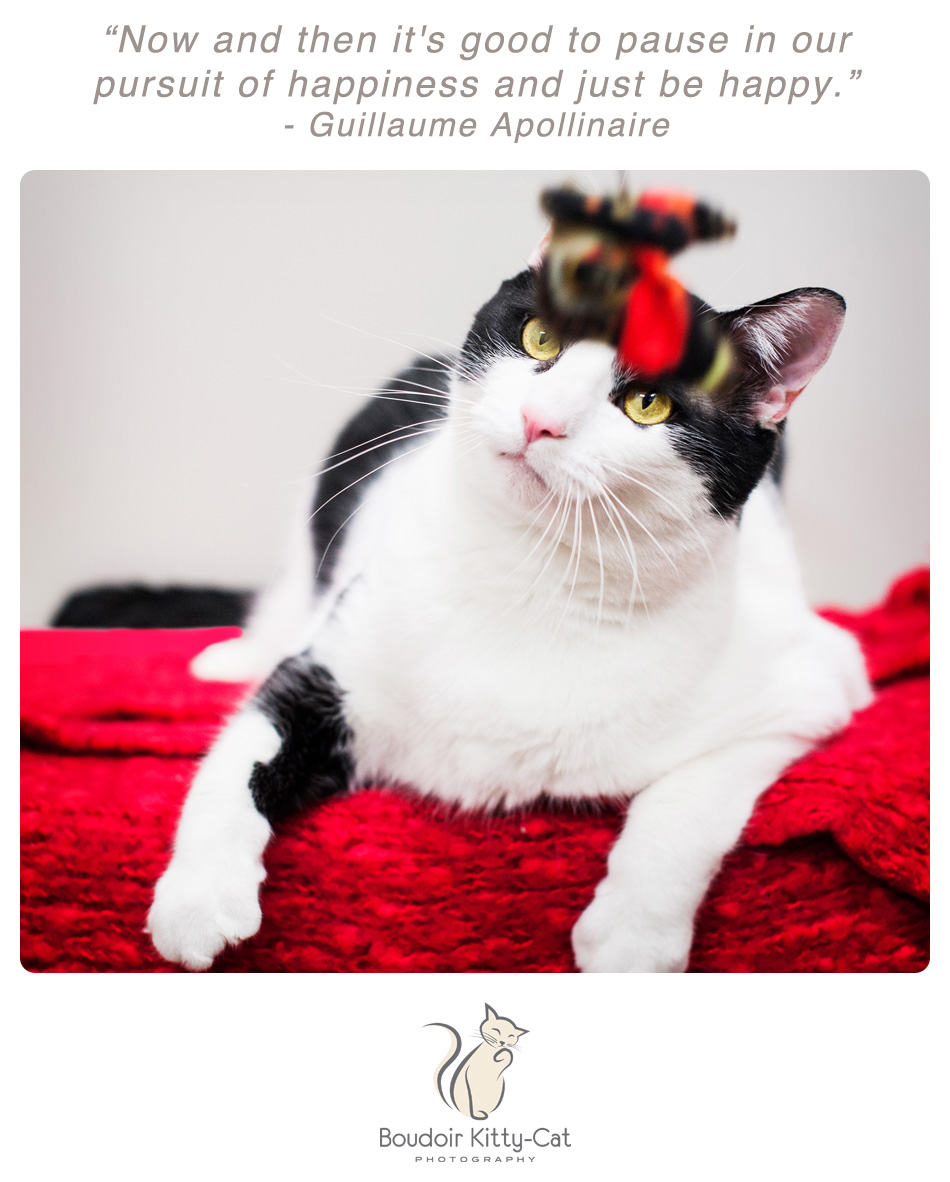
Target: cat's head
<point>554,424</point>
<point>499,1032</point>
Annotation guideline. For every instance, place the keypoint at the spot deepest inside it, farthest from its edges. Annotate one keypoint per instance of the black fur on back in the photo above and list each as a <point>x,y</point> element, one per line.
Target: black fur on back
<point>385,426</point>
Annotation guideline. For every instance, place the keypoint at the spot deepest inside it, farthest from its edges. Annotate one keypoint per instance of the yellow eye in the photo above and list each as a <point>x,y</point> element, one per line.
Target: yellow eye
<point>647,408</point>
<point>538,341</point>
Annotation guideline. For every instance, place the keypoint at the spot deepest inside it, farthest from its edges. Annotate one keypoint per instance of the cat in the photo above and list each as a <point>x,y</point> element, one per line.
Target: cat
<point>524,576</point>
<point>477,1086</point>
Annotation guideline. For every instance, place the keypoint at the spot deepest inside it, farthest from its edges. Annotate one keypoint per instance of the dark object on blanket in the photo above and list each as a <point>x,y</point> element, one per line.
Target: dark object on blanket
<point>137,605</point>
<point>831,874</point>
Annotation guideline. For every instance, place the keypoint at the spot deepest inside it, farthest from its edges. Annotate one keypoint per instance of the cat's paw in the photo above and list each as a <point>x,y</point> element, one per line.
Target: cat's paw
<point>239,659</point>
<point>616,935</point>
<point>197,911</point>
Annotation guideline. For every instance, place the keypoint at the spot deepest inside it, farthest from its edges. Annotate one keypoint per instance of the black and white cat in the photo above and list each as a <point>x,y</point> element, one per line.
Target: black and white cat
<point>529,576</point>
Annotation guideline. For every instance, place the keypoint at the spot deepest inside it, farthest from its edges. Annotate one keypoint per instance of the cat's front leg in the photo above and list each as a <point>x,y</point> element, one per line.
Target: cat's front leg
<point>288,748</point>
<point>207,897</point>
<point>676,834</point>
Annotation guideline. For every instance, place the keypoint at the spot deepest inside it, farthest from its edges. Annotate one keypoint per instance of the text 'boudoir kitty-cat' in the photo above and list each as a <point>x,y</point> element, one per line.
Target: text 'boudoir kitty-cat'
<point>477,1138</point>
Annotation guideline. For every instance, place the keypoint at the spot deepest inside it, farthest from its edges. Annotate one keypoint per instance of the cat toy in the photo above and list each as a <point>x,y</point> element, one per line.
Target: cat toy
<point>605,275</point>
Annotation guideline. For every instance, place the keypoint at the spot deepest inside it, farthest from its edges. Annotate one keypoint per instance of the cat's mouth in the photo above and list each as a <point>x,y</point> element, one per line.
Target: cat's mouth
<point>521,466</point>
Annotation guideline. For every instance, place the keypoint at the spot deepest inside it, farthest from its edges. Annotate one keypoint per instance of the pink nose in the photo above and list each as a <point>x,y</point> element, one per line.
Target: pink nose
<point>541,428</point>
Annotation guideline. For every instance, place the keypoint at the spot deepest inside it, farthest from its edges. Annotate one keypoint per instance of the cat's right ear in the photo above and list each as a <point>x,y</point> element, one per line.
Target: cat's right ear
<point>490,1013</point>
<point>785,341</point>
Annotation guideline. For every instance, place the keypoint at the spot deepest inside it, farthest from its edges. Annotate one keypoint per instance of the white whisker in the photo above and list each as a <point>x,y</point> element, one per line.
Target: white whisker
<point>632,554</point>
<point>383,443</point>
<point>636,520</point>
<point>560,511</point>
<point>440,361</point>
<point>408,452</point>
<point>600,562</point>
<point>627,475</point>
<point>575,555</point>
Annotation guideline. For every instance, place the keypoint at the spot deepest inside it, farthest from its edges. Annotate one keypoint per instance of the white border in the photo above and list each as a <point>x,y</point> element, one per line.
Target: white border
<point>754,1076</point>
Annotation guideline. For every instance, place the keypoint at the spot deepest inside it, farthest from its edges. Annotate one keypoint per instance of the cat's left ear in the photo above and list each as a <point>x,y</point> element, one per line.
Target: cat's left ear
<point>520,1032</point>
<point>785,340</point>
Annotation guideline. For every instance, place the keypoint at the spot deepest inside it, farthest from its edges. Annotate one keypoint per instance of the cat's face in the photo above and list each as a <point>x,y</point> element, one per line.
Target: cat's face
<point>556,427</point>
<point>499,1032</point>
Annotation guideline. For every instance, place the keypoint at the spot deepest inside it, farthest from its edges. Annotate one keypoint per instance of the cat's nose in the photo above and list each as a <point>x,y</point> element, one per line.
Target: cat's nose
<point>541,427</point>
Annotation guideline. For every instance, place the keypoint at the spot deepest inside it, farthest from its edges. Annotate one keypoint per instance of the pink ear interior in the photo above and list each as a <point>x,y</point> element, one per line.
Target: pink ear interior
<point>795,338</point>
<point>775,404</point>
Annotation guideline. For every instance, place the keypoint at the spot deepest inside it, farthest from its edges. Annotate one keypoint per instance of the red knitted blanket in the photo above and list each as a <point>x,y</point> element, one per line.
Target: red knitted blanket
<point>831,874</point>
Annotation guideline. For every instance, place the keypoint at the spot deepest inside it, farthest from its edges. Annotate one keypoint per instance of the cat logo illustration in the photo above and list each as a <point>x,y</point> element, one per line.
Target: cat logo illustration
<point>477,1087</point>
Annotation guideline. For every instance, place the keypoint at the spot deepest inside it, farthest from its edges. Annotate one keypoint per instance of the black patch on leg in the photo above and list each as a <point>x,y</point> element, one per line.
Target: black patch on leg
<point>314,762</point>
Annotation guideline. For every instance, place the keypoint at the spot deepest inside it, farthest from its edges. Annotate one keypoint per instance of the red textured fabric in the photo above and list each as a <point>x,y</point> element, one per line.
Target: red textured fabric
<point>831,874</point>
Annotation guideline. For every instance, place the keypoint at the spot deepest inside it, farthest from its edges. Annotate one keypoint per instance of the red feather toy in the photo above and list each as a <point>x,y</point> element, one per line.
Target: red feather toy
<point>605,275</point>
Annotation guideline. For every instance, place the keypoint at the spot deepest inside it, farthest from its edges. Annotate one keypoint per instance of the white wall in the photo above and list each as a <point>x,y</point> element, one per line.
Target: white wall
<point>187,338</point>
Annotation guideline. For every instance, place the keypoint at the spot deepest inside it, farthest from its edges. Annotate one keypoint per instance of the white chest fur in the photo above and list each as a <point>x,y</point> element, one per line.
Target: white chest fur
<point>460,684</point>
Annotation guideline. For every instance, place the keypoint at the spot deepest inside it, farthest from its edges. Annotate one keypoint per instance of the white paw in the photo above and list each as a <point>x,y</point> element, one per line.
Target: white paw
<point>199,910</point>
<point>616,935</point>
<point>239,659</point>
